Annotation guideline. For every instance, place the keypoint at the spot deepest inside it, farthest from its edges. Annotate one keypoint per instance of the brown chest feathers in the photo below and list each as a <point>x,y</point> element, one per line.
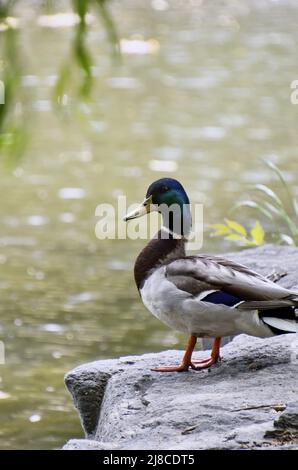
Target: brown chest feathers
<point>155,253</point>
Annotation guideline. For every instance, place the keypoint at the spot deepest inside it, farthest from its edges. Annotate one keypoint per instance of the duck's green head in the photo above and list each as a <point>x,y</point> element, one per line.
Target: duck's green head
<point>167,191</point>
<point>168,197</point>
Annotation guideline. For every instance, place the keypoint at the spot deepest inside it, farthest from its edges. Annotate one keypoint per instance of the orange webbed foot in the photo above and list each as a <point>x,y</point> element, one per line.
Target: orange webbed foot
<point>195,365</point>
<point>181,368</point>
<point>205,363</point>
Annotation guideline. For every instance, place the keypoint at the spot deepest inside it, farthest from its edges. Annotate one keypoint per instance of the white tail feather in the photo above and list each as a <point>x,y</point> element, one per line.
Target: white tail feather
<point>290,326</point>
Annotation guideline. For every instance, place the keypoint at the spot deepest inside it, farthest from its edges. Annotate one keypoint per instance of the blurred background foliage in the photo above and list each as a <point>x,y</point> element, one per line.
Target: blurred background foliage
<point>279,207</point>
<point>13,128</point>
<point>79,53</point>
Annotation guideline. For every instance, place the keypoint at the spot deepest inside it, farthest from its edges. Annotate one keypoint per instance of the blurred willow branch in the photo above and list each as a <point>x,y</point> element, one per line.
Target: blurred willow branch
<point>109,26</point>
<point>12,131</point>
<point>12,127</point>
<point>80,52</point>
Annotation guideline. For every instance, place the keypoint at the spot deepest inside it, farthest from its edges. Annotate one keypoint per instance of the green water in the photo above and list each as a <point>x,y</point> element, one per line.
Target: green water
<point>205,107</point>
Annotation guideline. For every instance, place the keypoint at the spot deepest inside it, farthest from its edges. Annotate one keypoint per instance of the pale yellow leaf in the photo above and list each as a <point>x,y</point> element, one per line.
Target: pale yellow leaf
<point>234,237</point>
<point>258,234</point>
<point>220,229</point>
<point>236,227</point>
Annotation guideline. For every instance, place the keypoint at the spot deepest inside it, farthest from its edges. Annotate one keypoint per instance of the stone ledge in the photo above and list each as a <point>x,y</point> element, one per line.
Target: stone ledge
<point>249,401</point>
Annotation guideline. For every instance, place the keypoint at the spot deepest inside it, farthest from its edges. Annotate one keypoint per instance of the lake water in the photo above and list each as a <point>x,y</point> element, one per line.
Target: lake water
<point>202,94</point>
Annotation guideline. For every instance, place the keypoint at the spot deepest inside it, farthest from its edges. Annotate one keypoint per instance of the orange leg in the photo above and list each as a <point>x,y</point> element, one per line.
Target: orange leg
<point>196,365</point>
<point>215,357</point>
<point>186,361</point>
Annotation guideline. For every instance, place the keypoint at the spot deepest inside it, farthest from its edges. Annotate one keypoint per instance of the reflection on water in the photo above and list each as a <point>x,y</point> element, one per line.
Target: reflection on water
<point>200,95</point>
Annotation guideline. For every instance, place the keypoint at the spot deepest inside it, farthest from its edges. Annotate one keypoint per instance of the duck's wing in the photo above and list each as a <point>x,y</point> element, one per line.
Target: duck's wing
<point>218,280</point>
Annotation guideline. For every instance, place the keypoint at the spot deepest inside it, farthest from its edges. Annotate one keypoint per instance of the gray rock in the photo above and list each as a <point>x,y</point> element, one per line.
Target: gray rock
<point>87,389</point>
<point>289,418</point>
<point>87,444</point>
<point>249,401</point>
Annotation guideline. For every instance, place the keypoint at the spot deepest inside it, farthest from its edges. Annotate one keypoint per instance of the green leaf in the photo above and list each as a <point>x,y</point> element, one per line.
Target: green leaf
<point>252,205</point>
<point>268,191</point>
<point>273,209</point>
<point>258,234</point>
<point>277,171</point>
<point>281,177</point>
<point>236,227</point>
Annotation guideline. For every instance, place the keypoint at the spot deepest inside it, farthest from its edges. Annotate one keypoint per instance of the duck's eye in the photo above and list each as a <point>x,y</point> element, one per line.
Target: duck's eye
<point>164,189</point>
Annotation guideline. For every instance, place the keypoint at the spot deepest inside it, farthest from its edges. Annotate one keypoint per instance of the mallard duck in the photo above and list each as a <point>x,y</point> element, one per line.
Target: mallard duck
<point>203,295</point>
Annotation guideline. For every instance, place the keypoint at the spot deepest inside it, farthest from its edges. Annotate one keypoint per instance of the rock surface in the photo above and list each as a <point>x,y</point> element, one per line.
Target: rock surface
<point>249,401</point>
